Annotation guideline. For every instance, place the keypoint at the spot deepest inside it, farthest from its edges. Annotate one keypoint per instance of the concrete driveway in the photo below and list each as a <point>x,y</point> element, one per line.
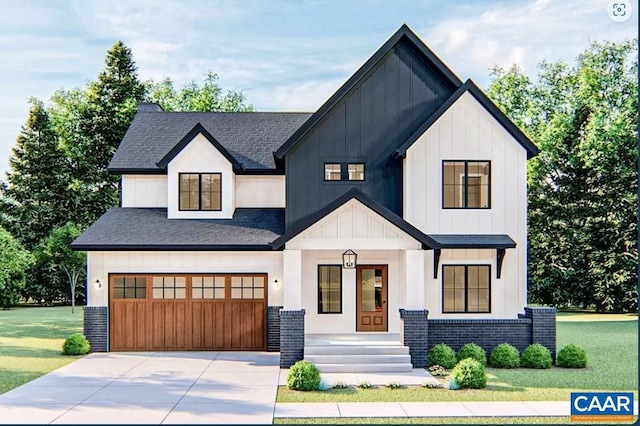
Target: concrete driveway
<point>151,388</point>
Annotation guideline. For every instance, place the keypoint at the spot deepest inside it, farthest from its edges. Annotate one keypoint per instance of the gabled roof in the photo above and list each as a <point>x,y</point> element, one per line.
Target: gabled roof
<point>198,129</point>
<point>249,137</point>
<point>404,33</point>
<point>483,99</point>
<point>150,229</point>
<point>378,208</point>
<point>486,241</point>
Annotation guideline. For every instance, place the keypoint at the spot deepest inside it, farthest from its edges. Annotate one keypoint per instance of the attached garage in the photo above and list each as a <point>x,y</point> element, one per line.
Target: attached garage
<point>181,312</point>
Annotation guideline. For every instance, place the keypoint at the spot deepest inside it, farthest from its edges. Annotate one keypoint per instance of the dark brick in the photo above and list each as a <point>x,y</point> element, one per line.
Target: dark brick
<point>96,327</point>
<point>291,337</point>
<point>414,335</point>
<point>273,328</point>
<point>543,329</point>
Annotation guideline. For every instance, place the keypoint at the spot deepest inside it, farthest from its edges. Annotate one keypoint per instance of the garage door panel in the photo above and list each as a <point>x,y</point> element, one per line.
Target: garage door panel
<point>184,312</point>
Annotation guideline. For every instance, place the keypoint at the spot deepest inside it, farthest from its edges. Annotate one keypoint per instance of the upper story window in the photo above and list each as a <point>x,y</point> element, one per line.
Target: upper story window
<point>200,191</point>
<point>334,171</point>
<point>466,184</point>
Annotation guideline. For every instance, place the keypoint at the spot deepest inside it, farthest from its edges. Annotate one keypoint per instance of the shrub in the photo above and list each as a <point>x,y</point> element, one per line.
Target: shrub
<point>572,356</point>
<point>432,385</point>
<point>469,373</point>
<point>76,344</point>
<point>394,385</point>
<point>505,356</point>
<point>437,371</point>
<point>304,376</point>
<point>442,354</point>
<point>536,356</point>
<point>324,386</point>
<point>340,385</point>
<point>452,384</point>
<point>471,350</point>
<point>364,385</point>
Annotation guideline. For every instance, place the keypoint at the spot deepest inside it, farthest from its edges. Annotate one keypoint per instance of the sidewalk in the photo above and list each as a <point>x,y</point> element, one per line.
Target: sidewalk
<point>426,409</point>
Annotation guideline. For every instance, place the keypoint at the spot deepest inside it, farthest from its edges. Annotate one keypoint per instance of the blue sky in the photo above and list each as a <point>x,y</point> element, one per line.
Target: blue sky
<point>287,55</point>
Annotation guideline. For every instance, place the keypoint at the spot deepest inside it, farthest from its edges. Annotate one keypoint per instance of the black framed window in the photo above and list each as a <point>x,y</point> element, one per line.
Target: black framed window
<point>130,287</point>
<point>200,191</point>
<point>332,171</point>
<point>466,184</point>
<point>356,171</point>
<point>329,289</point>
<point>466,288</point>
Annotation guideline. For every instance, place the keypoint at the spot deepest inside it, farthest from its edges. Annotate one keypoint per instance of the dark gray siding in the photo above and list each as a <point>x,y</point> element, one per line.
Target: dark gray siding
<point>371,121</point>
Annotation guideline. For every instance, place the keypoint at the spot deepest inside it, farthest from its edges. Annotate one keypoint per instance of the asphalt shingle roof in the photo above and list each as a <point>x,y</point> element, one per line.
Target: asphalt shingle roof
<point>138,229</point>
<point>250,137</point>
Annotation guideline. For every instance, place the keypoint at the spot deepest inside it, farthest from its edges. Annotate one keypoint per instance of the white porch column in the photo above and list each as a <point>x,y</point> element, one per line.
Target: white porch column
<point>416,282</point>
<point>292,270</point>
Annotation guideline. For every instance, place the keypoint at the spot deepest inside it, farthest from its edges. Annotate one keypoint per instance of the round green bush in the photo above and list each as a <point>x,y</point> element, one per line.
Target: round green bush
<point>536,356</point>
<point>469,373</point>
<point>471,350</point>
<point>505,356</point>
<point>304,376</point>
<point>572,356</point>
<point>76,344</point>
<point>442,354</point>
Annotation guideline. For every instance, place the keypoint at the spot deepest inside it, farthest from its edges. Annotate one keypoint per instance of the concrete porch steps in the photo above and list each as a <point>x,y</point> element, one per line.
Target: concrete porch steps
<point>358,353</point>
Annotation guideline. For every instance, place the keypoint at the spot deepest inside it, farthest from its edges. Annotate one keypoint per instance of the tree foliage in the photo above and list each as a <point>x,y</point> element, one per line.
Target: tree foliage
<point>56,250</point>
<point>195,97</point>
<point>14,260</point>
<point>583,185</point>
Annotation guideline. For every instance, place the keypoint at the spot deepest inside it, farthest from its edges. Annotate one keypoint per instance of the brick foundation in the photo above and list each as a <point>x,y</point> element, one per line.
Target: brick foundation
<point>414,335</point>
<point>96,327</point>
<point>273,328</point>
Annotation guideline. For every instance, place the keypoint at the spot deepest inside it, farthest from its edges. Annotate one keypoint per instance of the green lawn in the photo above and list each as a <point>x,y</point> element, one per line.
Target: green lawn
<point>31,342</point>
<point>611,343</point>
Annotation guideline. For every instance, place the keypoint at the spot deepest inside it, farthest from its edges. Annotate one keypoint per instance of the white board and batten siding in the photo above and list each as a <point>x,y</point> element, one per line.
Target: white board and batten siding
<point>144,191</point>
<point>466,131</point>
<point>200,156</point>
<point>260,191</point>
<point>102,263</point>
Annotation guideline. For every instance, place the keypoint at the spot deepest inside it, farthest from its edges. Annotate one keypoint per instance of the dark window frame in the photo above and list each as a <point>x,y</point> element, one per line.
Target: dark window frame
<point>344,170</point>
<point>199,209</point>
<point>320,311</point>
<point>124,287</point>
<point>466,185</point>
<point>466,288</point>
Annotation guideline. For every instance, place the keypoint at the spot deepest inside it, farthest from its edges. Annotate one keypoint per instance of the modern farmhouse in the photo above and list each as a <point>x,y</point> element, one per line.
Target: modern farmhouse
<point>397,211</point>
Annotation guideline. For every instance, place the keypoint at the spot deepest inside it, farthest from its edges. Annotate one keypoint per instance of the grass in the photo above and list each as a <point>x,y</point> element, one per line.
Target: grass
<point>31,342</point>
<point>433,420</point>
<point>612,349</point>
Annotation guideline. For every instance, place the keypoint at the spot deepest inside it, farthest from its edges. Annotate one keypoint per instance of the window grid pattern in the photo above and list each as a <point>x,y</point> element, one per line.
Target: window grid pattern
<point>466,184</point>
<point>208,288</point>
<point>466,288</point>
<point>247,287</point>
<point>332,172</point>
<point>169,287</point>
<point>356,171</point>
<point>130,287</point>
<point>329,289</point>
<point>200,191</point>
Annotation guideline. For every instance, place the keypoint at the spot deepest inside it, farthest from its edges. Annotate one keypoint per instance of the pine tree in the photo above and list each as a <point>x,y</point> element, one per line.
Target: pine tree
<point>34,199</point>
<point>111,104</point>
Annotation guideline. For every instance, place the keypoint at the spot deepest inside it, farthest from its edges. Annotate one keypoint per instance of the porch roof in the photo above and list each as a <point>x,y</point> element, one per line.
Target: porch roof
<point>464,241</point>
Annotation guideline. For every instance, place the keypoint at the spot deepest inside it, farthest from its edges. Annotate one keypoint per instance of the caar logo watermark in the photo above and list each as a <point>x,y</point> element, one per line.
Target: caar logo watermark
<point>602,406</point>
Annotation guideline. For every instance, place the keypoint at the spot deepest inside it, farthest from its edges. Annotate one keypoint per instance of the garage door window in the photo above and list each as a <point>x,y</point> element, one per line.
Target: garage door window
<point>169,287</point>
<point>130,287</point>
<point>207,288</point>
<point>247,287</point>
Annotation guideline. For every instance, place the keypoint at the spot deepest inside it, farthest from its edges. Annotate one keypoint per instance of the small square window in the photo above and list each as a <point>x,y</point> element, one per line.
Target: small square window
<point>332,172</point>
<point>356,171</point>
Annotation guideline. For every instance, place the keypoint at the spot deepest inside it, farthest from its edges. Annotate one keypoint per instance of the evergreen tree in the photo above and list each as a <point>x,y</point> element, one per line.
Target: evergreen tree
<point>34,192</point>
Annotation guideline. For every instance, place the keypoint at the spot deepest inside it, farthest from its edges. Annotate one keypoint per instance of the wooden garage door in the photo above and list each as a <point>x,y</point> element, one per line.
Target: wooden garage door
<point>180,312</point>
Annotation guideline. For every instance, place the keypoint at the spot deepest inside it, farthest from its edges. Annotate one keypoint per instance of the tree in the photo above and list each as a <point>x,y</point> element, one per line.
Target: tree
<point>103,115</point>
<point>34,191</point>
<point>193,97</point>
<point>57,250</point>
<point>583,185</point>
<point>14,259</point>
